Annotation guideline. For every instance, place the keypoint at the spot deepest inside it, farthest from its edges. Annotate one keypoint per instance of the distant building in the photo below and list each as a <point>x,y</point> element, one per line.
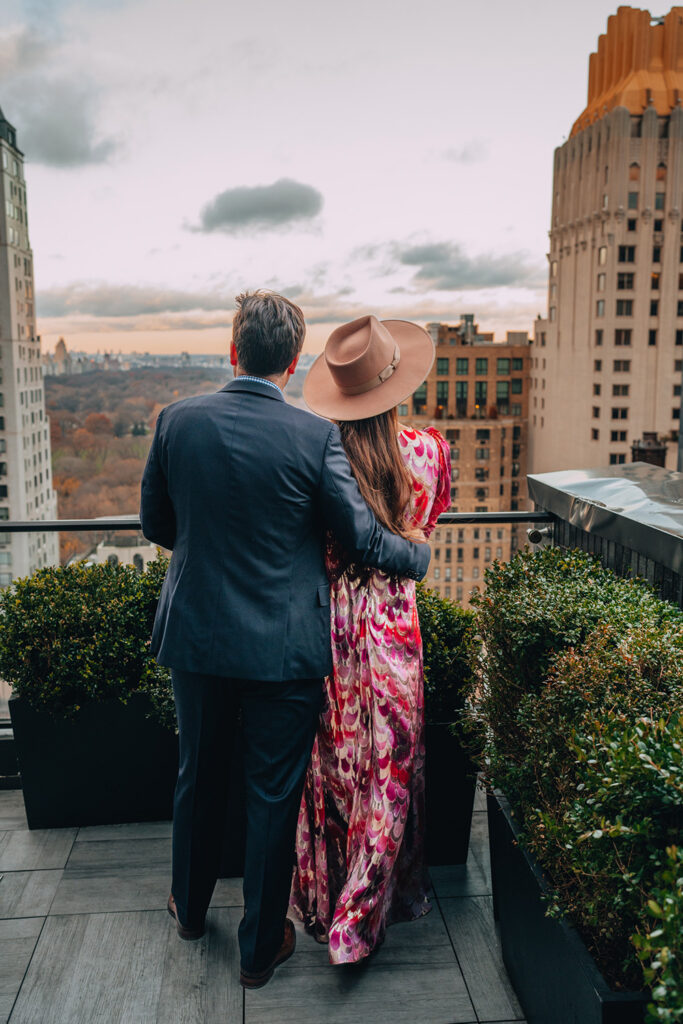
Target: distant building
<point>607,358</point>
<point>121,549</point>
<point>26,491</point>
<point>477,395</point>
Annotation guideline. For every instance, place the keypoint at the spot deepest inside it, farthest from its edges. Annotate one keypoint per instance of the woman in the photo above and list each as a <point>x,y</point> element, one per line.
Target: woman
<point>360,862</point>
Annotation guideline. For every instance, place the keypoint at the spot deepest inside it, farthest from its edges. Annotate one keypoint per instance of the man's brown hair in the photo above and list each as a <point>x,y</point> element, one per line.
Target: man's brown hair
<point>268,331</point>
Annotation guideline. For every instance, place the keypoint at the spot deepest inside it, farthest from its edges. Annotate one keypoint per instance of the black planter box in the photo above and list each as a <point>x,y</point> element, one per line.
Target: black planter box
<point>554,975</point>
<point>108,765</point>
<point>450,781</point>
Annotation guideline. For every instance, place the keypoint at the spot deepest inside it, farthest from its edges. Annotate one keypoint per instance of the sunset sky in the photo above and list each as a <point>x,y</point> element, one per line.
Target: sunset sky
<point>367,156</point>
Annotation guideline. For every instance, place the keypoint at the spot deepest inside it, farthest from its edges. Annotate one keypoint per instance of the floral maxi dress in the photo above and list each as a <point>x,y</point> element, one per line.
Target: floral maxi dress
<point>359,852</point>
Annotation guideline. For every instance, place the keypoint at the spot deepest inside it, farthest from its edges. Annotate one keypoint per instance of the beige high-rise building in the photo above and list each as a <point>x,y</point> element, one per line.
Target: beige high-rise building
<point>477,396</point>
<point>606,361</point>
<point>26,491</point>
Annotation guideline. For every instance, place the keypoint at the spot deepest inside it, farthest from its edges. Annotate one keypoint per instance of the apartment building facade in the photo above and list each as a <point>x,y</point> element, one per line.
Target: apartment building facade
<point>477,395</point>
<point>26,491</point>
<point>607,359</point>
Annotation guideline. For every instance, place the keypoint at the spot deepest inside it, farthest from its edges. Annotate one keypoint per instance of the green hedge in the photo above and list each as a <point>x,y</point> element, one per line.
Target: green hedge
<point>80,633</point>
<point>577,701</point>
<point>447,635</point>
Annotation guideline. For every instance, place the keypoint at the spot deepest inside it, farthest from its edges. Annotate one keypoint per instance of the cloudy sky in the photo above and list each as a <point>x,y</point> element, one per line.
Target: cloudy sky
<point>365,155</point>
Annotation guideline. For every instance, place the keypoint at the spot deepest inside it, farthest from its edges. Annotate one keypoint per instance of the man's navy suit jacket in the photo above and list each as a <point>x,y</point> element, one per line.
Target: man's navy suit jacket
<point>242,487</point>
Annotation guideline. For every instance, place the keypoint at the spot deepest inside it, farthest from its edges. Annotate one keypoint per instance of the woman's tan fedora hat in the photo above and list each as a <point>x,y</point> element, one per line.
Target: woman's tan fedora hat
<point>367,368</point>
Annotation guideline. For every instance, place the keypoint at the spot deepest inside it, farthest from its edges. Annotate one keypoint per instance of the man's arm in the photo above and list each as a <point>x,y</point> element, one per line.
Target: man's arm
<point>156,509</point>
<point>354,525</point>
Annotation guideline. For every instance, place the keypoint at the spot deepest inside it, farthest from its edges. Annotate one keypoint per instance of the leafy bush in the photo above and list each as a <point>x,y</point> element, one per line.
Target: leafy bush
<point>661,948</point>
<point>575,686</point>
<point>447,635</point>
<point>74,634</point>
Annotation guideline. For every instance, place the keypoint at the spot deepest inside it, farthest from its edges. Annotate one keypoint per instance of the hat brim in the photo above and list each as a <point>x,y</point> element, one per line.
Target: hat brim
<point>323,396</point>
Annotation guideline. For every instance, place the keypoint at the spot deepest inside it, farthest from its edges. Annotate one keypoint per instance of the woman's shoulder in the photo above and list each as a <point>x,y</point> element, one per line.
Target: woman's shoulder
<point>422,443</point>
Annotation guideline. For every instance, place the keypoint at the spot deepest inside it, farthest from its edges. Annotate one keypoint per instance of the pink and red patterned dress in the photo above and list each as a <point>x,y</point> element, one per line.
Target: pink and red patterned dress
<point>359,853</point>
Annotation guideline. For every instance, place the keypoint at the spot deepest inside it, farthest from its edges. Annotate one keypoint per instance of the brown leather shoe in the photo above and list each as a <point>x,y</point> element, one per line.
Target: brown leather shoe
<point>249,979</point>
<point>183,932</point>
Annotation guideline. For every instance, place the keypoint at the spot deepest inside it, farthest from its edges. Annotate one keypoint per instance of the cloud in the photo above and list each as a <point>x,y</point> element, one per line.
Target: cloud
<point>472,152</point>
<point>262,207</point>
<point>102,300</point>
<point>444,266</point>
<point>54,114</point>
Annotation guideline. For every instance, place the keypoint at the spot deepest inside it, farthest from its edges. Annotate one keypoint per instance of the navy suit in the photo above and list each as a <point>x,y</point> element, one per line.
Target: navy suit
<point>242,487</point>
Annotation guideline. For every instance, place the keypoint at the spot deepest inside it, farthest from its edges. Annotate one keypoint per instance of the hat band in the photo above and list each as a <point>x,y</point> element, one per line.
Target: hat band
<point>374,382</point>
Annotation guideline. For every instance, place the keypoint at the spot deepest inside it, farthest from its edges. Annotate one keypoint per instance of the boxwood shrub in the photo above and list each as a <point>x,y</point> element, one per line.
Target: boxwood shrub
<point>74,634</point>
<point>447,638</point>
<point>577,699</point>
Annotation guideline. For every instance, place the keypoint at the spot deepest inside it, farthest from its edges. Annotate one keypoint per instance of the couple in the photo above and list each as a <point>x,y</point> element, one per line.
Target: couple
<point>290,598</point>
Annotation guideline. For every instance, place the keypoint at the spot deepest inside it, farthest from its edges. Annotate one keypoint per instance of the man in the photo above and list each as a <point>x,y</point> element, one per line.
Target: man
<point>242,487</point>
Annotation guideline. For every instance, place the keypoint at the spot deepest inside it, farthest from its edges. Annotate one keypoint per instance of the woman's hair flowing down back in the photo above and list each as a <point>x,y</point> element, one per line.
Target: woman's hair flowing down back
<point>384,480</point>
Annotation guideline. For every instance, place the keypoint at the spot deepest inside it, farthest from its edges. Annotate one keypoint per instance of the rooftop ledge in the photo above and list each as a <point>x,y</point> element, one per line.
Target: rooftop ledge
<point>637,505</point>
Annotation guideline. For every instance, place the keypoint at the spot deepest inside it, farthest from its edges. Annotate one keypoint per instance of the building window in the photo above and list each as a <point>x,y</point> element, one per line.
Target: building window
<point>595,434</point>
<point>679,341</point>
<point>633,200</point>
<point>517,365</point>
<point>502,367</point>
<point>480,394</point>
<point>475,572</point>
<point>553,268</point>
<point>437,572</point>
<point>659,200</point>
<point>516,410</point>
<point>503,395</point>
<point>656,254</point>
<point>442,367</point>
<point>676,413</point>
<point>679,309</point>
<point>419,399</point>
<point>598,336</point>
<point>552,313</point>
<point>659,225</point>
<point>596,412</point>
<point>597,389</point>
<point>462,366</point>
<point>627,254</point>
<point>631,224</point>
<point>458,572</point>
<point>621,365</point>
<point>622,336</point>
<point>600,307</point>
<point>516,383</point>
<point>601,282</point>
<point>626,282</point>
<point>482,453</point>
<point>620,413</point>
<point>620,389</point>
<point>461,398</point>
<point>617,435</point>
<point>597,365</point>
<point>654,307</point>
<point>403,410</point>
<point>482,366</point>
<point>602,255</point>
<point>624,307</point>
<point>616,459</point>
<point>661,172</point>
<point>652,337</point>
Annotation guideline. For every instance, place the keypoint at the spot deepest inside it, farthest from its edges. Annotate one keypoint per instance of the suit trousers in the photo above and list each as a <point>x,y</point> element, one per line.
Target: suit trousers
<point>279,722</point>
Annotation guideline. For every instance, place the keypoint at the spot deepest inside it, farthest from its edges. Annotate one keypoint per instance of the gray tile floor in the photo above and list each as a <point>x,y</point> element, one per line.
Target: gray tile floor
<point>85,939</point>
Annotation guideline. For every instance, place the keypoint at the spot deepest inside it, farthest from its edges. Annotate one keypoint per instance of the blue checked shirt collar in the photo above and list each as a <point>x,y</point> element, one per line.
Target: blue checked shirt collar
<point>259,380</point>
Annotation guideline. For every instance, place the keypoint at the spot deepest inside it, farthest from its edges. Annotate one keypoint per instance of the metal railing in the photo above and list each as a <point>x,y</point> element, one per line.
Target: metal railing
<point>133,522</point>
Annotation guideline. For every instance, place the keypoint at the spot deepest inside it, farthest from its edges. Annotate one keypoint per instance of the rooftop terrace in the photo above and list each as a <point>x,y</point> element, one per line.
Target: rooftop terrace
<point>85,939</point>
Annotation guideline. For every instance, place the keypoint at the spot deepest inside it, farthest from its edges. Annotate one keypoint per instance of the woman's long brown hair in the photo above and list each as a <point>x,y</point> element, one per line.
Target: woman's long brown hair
<point>383,477</point>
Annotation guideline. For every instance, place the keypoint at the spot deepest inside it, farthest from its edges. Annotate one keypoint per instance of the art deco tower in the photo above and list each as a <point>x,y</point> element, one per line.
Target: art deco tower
<point>606,362</point>
<point>25,466</point>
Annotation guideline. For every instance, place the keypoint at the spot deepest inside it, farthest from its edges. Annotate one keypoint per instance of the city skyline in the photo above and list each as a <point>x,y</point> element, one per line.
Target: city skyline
<point>369,161</point>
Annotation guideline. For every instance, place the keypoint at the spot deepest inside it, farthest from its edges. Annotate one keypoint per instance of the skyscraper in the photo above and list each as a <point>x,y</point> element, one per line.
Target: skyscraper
<point>606,362</point>
<point>477,394</point>
<point>25,466</point>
